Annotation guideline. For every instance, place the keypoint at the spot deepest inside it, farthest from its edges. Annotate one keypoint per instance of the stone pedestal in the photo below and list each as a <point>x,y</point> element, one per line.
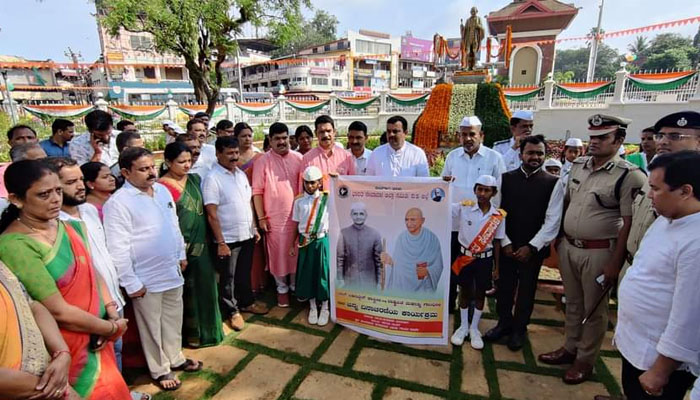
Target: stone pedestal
<point>470,77</point>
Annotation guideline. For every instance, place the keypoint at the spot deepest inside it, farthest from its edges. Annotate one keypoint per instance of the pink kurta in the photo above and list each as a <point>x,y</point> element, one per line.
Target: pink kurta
<point>3,190</point>
<point>340,162</point>
<point>275,177</point>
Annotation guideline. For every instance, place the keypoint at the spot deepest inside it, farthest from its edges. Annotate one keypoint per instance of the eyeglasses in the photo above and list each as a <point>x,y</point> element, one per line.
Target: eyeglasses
<point>673,136</point>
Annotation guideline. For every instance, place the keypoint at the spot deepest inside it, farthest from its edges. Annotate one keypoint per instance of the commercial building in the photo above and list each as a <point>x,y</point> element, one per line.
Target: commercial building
<point>417,72</point>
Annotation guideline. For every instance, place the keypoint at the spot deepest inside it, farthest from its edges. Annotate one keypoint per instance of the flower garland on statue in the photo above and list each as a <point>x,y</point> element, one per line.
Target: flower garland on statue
<point>433,121</point>
<point>462,104</point>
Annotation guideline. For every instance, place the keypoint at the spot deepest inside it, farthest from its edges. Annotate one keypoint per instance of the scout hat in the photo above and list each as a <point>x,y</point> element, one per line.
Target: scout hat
<point>524,115</point>
<point>468,122</point>
<point>600,124</point>
<point>486,180</point>
<point>552,162</point>
<point>312,174</point>
<point>683,119</point>
<point>574,142</point>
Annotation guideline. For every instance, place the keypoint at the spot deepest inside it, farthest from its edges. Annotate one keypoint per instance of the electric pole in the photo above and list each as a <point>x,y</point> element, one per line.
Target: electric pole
<point>594,46</point>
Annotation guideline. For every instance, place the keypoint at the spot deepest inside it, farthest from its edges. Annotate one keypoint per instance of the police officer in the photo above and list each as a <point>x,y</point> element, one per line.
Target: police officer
<point>597,218</point>
<point>521,124</point>
<point>674,132</point>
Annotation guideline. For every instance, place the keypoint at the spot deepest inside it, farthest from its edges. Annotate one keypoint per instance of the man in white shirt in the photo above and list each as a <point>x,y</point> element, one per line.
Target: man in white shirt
<point>397,157</point>
<point>657,329</point>
<point>147,248</point>
<point>533,201</point>
<point>99,143</point>
<point>207,157</point>
<point>228,203</point>
<point>521,124</point>
<point>465,164</point>
<point>357,138</point>
<point>191,141</point>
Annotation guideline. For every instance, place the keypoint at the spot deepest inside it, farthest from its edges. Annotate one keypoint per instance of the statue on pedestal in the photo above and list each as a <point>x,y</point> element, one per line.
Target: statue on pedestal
<point>472,35</point>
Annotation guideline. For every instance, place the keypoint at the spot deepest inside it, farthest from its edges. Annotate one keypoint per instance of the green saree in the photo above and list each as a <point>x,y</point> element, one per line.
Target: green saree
<point>201,325</point>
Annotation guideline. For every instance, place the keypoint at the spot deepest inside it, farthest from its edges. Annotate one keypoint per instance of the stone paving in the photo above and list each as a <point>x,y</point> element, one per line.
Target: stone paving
<point>278,356</point>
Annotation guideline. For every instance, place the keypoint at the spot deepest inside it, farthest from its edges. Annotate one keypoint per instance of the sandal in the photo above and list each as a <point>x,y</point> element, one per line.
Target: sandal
<point>189,366</point>
<point>168,377</point>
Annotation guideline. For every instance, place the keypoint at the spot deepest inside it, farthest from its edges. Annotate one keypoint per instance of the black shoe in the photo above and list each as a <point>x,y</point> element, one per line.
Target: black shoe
<point>496,333</point>
<point>515,342</point>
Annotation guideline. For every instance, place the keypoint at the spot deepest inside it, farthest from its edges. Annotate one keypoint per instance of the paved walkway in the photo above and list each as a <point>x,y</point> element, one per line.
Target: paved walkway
<point>279,356</point>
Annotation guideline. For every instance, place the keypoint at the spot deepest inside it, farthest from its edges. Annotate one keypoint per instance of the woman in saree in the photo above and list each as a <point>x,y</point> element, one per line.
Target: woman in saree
<point>99,184</point>
<point>248,155</point>
<point>51,259</point>
<point>201,325</point>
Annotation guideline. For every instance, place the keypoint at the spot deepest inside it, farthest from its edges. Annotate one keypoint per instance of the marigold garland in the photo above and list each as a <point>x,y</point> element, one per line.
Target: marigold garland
<point>504,102</point>
<point>433,121</point>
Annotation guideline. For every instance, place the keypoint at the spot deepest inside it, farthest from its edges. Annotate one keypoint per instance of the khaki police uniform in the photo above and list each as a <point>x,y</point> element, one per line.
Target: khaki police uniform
<point>597,200</point>
<point>643,215</point>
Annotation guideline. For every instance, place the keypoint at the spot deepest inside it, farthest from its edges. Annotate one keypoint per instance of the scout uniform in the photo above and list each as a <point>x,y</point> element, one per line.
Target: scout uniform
<point>511,156</point>
<point>597,200</point>
<point>643,214</point>
<point>313,263</point>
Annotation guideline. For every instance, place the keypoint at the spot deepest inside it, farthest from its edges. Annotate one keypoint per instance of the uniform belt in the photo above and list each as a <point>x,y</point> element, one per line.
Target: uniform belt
<point>319,235</point>
<point>484,254</point>
<point>589,244</point>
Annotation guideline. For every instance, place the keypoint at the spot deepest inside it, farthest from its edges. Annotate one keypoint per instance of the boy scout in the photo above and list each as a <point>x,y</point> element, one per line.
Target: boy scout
<point>597,217</point>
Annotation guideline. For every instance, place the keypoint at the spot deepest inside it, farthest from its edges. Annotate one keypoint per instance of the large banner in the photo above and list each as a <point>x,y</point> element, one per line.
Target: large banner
<point>390,245</point>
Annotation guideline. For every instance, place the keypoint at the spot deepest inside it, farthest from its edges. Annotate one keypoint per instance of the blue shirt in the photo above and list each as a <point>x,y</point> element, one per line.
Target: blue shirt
<point>54,150</point>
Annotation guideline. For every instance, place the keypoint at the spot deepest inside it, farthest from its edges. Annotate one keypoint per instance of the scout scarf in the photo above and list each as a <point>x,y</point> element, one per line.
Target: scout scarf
<point>309,237</point>
<point>480,242</point>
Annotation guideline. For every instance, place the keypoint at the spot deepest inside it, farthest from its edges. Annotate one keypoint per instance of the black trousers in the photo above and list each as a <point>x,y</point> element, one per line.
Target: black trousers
<point>234,278</point>
<point>678,384</point>
<point>514,275</point>
<point>454,253</point>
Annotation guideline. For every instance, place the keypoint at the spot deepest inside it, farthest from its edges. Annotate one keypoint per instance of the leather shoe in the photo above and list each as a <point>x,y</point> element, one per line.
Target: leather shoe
<point>557,357</point>
<point>496,333</point>
<point>578,373</point>
<point>515,342</point>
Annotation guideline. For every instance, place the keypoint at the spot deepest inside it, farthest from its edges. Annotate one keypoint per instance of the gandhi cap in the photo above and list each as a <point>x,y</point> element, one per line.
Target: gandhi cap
<point>312,173</point>
<point>600,124</point>
<point>574,142</point>
<point>524,115</point>
<point>468,122</point>
<point>683,119</point>
<point>552,162</point>
<point>486,180</point>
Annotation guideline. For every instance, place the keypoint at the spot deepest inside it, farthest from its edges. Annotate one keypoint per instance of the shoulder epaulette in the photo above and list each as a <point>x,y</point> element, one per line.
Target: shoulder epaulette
<point>467,203</point>
<point>624,164</point>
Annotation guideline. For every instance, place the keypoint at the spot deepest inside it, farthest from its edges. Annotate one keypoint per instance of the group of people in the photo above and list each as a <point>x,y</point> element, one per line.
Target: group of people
<point>95,231</point>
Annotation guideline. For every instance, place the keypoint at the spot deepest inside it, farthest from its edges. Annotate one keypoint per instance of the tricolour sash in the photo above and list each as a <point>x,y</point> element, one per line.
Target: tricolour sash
<point>480,242</point>
<point>310,233</point>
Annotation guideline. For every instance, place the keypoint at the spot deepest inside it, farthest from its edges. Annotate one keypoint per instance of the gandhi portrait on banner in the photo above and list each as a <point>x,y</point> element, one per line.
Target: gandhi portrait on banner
<point>359,250</point>
<point>416,264</point>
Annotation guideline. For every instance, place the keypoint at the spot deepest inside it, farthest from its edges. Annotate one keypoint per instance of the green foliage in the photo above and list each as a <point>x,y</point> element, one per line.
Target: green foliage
<point>670,51</point>
<point>200,31</point>
<point>292,37</point>
<point>155,143</point>
<point>566,76</point>
<point>438,165</point>
<point>490,112</point>
<point>372,142</point>
<point>576,61</point>
<point>43,131</point>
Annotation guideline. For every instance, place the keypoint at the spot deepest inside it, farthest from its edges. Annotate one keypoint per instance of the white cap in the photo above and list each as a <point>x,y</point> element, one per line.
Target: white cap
<point>486,180</point>
<point>523,114</point>
<point>167,122</point>
<point>552,162</point>
<point>468,122</point>
<point>574,142</point>
<point>312,173</point>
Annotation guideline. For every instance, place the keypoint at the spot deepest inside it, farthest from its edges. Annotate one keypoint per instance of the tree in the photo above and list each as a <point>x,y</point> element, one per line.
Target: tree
<point>321,29</point>
<point>202,32</point>
<point>566,76</point>
<point>670,51</point>
<point>576,61</point>
<point>639,48</point>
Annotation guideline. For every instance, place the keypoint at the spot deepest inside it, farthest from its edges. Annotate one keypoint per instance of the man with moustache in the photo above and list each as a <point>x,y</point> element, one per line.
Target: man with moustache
<point>647,150</point>
<point>275,185</point>
<point>75,208</point>
<point>97,144</point>
<point>597,218</point>
<point>207,157</point>
<point>397,157</point>
<point>533,201</point>
<point>147,248</point>
<point>357,138</point>
<point>328,157</point>
<point>195,147</point>
<point>521,124</point>
<point>58,145</point>
<point>465,164</point>
<point>228,204</point>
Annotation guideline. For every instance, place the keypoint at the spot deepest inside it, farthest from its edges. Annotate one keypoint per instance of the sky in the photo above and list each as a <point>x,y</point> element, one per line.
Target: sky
<point>44,29</point>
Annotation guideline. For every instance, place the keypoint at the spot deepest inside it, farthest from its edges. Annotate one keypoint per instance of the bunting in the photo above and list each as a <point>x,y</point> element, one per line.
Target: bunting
<point>659,82</point>
<point>53,111</point>
<point>192,109</point>
<point>584,90</point>
<point>138,113</point>
<point>521,93</point>
<point>357,103</point>
<point>256,108</point>
<point>308,106</point>
<point>408,100</point>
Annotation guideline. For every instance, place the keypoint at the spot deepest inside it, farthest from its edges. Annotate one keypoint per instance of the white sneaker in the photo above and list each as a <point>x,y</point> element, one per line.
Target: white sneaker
<point>323,317</point>
<point>475,338</point>
<point>459,335</point>
<point>313,316</point>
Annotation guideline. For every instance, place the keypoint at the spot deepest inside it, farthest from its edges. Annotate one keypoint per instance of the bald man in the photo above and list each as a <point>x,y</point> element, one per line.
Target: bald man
<point>359,251</point>
<point>417,261</point>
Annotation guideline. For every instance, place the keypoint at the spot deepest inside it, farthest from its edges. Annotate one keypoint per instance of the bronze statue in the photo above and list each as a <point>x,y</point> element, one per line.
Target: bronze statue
<point>472,35</point>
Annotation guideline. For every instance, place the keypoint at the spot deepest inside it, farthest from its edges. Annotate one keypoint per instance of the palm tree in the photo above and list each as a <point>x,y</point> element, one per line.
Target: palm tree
<point>639,48</point>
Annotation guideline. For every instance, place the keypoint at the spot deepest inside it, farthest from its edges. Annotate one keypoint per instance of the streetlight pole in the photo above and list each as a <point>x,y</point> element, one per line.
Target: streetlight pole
<point>594,46</point>
<point>8,97</point>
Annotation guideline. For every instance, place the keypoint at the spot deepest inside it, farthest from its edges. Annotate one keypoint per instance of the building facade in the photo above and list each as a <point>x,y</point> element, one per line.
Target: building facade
<point>417,72</point>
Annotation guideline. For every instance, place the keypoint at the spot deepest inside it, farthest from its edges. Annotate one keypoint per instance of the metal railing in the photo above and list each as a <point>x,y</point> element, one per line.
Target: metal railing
<point>635,94</point>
